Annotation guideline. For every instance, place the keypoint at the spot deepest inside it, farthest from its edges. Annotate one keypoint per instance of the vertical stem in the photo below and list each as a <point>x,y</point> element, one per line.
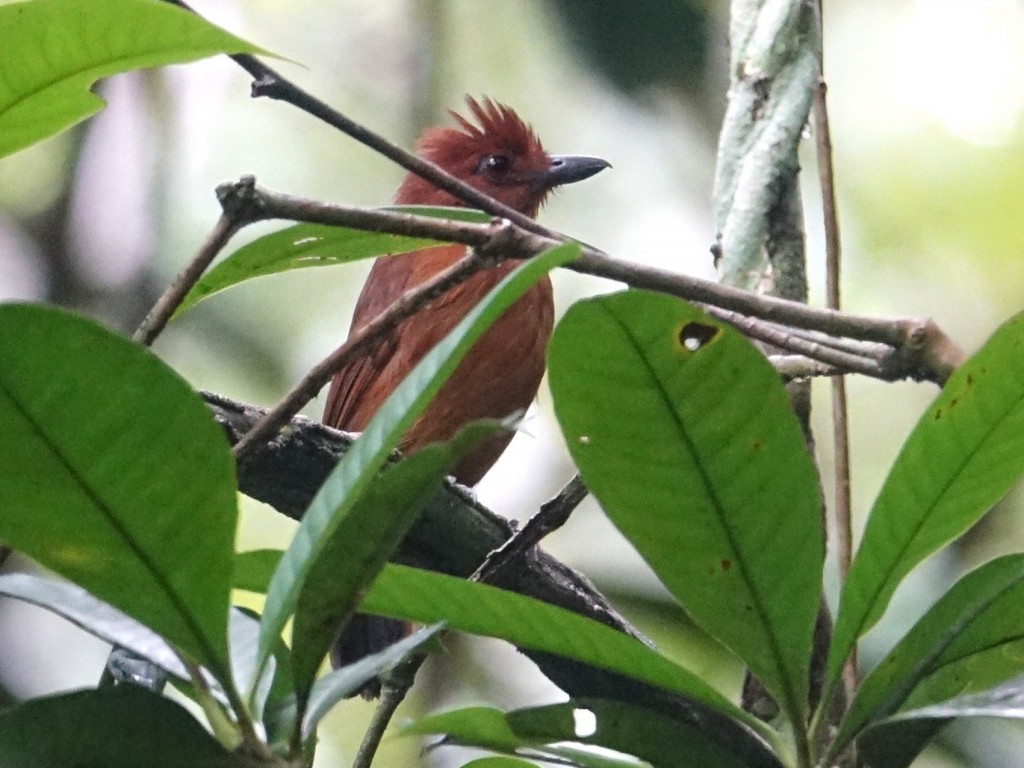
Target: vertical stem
<point>842,513</point>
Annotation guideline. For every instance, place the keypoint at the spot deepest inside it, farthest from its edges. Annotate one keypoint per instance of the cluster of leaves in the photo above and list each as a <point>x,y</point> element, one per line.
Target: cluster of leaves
<point>115,477</point>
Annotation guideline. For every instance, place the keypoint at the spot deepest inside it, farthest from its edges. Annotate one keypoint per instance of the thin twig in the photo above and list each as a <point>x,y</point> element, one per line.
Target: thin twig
<point>843,502</point>
<point>870,350</point>
<point>552,515</point>
<point>394,689</point>
<point>792,367</point>
<point>882,330</point>
<point>272,84</point>
<point>779,336</point>
<point>156,320</point>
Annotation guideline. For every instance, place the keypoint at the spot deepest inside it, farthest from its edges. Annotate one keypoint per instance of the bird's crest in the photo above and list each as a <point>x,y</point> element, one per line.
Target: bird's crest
<point>499,121</point>
<point>492,129</point>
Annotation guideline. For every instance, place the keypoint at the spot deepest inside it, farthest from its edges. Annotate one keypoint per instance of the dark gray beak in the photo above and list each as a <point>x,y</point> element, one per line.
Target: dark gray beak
<point>566,169</point>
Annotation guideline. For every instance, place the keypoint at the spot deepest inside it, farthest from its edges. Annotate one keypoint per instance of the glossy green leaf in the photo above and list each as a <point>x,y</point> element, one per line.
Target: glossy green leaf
<point>275,682</point>
<point>114,475</point>
<point>490,729</point>
<point>353,474</point>
<point>1005,700</point>
<point>54,50</point>
<point>478,726</point>
<point>683,432</point>
<point>254,569</point>
<point>74,604</point>
<point>971,639</point>
<point>659,740</point>
<point>123,726</point>
<point>964,454</point>
<point>362,543</point>
<point>897,745</point>
<point>896,741</point>
<point>71,602</point>
<point>348,680</point>
<point>416,595</point>
<point>314,245</point>
<point>499,762</point>
<point>662,741</point>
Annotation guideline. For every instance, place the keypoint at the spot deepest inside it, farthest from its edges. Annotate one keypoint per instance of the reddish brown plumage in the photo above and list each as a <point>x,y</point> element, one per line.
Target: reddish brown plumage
<point>501,156</point>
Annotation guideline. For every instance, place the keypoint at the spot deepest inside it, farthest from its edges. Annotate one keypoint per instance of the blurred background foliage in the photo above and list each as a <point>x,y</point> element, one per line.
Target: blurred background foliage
<point>926,100</point>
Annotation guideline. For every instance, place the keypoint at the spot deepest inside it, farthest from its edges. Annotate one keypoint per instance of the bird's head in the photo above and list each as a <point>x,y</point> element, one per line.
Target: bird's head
<point>498,154</point>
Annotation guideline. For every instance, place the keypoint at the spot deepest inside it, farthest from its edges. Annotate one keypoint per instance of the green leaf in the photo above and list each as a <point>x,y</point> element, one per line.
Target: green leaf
<point>896,741</point>
<point>659,740</point>
<point>314,245</point>
<point>477,726</point>
<point>662,741</point>
<point>416,595</point>
<point>971,639</point>
<point>1006,700</point>
<point>683,432</point>
<point>346,681</point>
<point>362,543</point>
<point>254,569</point>
<point>499,762</point>
<point>54,50</point>
<point>897,744</point>
<point>965,453</point>
<point>114,475</point>
<point>490,729</point>
<point>123,726</point>
<point>74,604</point>
<point>244,635</point>
<point>349,480</point>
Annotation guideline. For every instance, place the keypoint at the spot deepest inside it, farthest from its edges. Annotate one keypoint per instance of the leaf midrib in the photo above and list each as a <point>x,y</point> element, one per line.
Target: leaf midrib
<point>776,652</point>
<point>107,512</point>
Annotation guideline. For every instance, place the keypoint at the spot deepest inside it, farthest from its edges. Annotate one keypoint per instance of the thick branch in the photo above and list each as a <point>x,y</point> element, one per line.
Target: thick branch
<point>454,535</point>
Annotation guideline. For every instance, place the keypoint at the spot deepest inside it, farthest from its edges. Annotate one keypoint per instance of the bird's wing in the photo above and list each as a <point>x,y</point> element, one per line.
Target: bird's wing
<point>361,386</point>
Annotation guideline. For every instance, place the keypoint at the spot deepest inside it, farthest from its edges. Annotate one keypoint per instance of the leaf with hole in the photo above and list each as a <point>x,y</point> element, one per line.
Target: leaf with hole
<point>683,432</point>
<point>611,725</point>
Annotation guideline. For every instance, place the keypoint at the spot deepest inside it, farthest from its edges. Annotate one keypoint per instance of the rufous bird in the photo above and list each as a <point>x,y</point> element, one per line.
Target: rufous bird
<point>500,155</point>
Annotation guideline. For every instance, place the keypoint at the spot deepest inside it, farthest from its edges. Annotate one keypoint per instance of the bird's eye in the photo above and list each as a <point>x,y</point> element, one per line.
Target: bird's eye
<point>495,166</point>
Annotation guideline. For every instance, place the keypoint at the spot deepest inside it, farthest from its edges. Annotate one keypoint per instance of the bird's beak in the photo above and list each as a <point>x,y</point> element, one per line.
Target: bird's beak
<point>566,169</point>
